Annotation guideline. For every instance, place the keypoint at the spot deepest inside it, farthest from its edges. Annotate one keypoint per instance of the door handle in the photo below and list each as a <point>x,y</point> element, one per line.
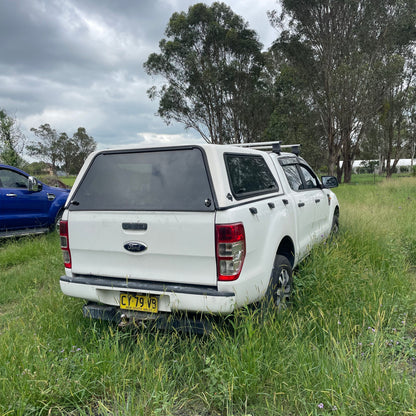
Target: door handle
<point>285,201</point>
<point>317,201</point>
<point>271,205</point>
<point>11,195</point>
<point>301,204</point>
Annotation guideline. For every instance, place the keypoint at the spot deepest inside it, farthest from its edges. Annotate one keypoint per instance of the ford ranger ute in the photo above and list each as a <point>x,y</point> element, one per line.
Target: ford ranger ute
<point>28,206</point>
<point>148,231</point>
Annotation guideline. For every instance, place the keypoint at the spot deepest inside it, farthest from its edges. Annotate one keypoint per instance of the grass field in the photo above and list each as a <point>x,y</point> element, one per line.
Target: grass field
<point>68,180</point>
<point>346,347</point>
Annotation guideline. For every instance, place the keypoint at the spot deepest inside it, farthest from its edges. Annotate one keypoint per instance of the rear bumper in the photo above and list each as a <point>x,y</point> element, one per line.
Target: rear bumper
<point>172,297</point>
<point>194,324</point>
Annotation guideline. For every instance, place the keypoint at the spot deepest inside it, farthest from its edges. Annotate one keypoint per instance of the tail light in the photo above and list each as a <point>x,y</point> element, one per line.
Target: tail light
<point>231,250</point>
<point>63,232</point>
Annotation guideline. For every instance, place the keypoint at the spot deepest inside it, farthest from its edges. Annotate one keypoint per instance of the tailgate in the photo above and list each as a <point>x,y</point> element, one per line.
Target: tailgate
<point>145,214</point>
<point>175,247</point>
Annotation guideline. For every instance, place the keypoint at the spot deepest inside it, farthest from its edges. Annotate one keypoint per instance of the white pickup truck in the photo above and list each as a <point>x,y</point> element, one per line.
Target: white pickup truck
<point>147,231</point>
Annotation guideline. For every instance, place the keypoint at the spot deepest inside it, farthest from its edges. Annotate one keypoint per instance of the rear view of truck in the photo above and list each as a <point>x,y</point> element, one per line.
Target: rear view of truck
<point>148,231</point>
<point>139,234</point>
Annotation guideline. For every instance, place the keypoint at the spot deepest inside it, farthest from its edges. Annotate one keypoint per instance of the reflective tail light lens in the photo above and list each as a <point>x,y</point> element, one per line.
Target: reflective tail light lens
<point>231,250</point>
<point>63,232</point>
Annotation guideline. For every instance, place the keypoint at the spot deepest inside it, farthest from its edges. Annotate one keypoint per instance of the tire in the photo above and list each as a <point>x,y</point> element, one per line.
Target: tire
<point>55,225</point>
<point>281,284</point>
<point>335,225</point>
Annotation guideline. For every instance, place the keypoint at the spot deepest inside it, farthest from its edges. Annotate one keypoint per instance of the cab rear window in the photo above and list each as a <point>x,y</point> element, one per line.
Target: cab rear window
<point>161,180</point>
<point>249,175</point>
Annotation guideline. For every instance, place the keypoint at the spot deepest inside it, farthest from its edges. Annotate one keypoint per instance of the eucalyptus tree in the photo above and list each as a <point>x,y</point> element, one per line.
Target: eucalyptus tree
<point>213,71</point>
<point>83,144</point>
<point>60,150</point>
<point>47,147</point>
<point>340,48</point>
<point>293,119</point>
<point>397,116</point>
<point>74,150</point>
<point>12,140</point>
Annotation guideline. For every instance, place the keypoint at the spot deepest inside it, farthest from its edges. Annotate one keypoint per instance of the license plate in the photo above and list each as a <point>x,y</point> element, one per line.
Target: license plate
<point>143,303</point>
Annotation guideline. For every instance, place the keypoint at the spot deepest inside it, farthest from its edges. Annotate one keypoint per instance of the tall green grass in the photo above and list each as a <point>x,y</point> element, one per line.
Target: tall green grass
<point>68,180</point>
<point>346,347</point>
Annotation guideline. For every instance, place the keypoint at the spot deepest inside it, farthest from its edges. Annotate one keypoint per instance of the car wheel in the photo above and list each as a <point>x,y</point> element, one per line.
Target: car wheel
<point>335,225</point>
<point>55,226</point>
<point>281,283</point>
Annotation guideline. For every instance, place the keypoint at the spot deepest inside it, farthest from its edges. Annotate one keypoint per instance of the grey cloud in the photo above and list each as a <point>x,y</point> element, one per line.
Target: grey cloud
<point>76,63</point>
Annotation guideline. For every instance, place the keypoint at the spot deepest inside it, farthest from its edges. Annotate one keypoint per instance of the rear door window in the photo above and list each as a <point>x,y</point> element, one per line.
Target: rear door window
<point>293,177</point>
<point>249,175</point>
<point>162,180</point>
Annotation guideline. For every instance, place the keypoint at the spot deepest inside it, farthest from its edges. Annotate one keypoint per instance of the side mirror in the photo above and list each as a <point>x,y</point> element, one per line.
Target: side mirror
<point>329,181</point>
<point>33,184</point>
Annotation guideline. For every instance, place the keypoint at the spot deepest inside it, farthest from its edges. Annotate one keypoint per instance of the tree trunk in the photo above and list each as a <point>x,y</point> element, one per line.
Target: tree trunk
<point>389,171</point>
<point>333,153</point>
<point>347,166</point>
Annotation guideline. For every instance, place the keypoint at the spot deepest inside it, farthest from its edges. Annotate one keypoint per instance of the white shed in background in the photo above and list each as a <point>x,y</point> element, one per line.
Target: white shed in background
<point>402,164</point>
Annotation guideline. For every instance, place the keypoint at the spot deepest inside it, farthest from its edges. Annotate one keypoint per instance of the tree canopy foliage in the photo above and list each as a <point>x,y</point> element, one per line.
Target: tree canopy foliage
<point>350,54</point>
<point>213,67</point>
<point>61,150</point>
<point>55,149</point>
<point>12,140</point>
<point>75,150</point>
<point>47,147</point>
<point>339,79</point>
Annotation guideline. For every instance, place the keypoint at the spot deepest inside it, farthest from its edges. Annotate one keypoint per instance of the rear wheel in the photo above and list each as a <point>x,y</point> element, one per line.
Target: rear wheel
<point>55,225</point>
<point>281,283</point>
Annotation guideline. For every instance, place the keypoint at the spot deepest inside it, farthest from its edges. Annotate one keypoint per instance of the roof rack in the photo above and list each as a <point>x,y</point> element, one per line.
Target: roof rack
<point>274,146</point>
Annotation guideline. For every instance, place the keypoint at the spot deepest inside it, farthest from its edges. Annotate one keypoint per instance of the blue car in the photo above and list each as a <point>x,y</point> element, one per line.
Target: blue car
<point>28,206</point>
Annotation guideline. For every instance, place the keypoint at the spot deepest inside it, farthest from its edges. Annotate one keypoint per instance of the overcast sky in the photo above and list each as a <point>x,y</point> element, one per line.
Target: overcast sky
<point>79,63</point>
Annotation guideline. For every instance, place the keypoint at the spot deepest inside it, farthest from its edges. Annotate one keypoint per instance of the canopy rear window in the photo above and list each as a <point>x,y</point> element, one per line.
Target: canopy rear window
<point>162,180</point>
<point>249,176</point>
